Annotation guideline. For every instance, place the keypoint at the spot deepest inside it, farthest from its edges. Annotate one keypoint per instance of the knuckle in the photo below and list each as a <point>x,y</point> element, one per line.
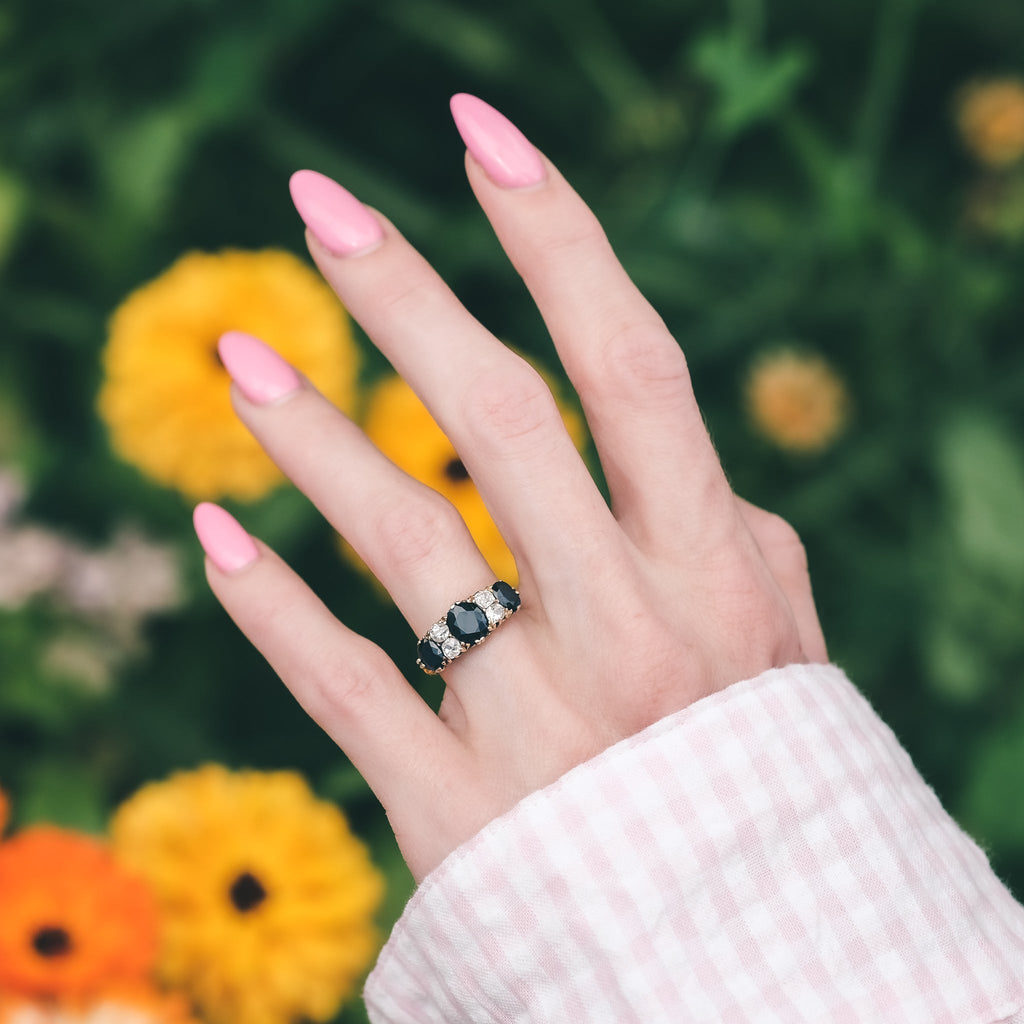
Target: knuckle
<point>412,535</point>
<point>755,619</point>
<point>784,540</point>
<point>510,404</point>
<point>345,686</point>
<point>642,360</point>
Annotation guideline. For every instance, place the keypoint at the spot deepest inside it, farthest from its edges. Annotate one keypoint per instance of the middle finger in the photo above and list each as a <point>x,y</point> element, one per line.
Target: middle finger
<point>493,406</point>
<point>667,487</point>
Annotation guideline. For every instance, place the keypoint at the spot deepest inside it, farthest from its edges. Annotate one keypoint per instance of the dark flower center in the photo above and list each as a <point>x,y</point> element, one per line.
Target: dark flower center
<point>51,941</point>
<point>247,892</point>
<point>456,471</point>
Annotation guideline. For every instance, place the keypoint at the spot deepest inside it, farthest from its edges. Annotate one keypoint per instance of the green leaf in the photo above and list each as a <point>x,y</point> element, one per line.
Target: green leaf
<point>461,35</point>
<point>991,805</point>
<point>973,564</point>
<point>982,467</point>
<point>62,792</point>
<point>12,209</point>
<point>751,86</point>
<point>957,664</point>
<point>141,160</point>
<point>344,785</point>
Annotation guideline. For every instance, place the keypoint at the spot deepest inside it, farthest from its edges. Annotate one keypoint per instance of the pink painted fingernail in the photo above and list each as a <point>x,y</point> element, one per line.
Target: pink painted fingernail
<point>500,147</point>
<point>228,546</point>
<point>339,221</point>
<point>260,373</point>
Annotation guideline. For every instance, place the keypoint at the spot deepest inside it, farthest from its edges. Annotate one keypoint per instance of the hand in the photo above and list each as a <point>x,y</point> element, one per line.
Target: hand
<point>629,612</point>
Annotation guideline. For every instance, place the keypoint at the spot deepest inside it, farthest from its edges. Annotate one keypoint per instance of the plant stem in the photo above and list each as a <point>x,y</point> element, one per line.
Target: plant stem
<point>881,91</point>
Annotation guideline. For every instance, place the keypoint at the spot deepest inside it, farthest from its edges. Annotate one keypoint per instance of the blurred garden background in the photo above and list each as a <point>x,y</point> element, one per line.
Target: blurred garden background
<point>824,201</point>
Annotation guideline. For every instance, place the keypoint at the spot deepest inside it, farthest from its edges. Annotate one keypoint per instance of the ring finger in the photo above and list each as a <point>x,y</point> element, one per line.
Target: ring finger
<point>412,539</point>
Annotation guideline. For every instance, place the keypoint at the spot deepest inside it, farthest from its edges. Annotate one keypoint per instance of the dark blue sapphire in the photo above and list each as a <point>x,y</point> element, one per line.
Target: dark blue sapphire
<point>506,595</point>
<point>430,654</point>
<point>467,622</point>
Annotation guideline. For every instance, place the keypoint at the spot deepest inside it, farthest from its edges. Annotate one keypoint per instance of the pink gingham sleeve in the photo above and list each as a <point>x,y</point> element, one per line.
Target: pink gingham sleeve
<point>768,854</point>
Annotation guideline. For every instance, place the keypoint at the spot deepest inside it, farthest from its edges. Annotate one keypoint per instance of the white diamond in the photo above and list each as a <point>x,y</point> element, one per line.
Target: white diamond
<point>451,648</point>
<point>484,598</point>
<point>439,632</point>
<point>495,613</point>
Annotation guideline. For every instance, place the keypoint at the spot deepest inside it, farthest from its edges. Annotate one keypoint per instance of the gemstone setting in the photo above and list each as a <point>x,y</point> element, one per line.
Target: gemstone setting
<point>466,624</point>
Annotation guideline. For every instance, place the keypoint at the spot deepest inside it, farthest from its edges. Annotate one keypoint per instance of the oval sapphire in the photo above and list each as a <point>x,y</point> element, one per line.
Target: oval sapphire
<point>506,595</point>
<point>430,654</point>
<point>467,622</point>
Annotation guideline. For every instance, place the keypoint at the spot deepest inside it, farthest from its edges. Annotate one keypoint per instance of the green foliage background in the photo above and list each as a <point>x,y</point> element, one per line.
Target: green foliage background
<point>767,172</point>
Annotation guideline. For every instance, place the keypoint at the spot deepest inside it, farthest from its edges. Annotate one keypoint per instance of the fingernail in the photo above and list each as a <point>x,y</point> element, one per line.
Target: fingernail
<point>497,144</point>
<point>260,373</point>
<point>341,223</point>
<point>228,546</point>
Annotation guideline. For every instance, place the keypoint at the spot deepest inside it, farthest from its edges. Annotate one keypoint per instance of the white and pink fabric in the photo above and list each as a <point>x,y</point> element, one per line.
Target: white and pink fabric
<point>768,854</point>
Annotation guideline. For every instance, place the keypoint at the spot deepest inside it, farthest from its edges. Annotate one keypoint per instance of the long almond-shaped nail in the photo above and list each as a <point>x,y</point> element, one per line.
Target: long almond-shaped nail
<point>260,373</point>
<point>497,144</point>
<point>340,223</point>
<point>228,546</point>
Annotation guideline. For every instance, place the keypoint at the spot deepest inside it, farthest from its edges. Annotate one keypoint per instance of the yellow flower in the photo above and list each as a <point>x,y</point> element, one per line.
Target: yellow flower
<point>796,400</point>
<point>266,897</point>
<point>165,396</point>
<point>990,116</point>
<point>399,424</point>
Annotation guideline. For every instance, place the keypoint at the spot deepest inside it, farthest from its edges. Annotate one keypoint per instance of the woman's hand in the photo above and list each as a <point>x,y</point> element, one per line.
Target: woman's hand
<point>629,613</point>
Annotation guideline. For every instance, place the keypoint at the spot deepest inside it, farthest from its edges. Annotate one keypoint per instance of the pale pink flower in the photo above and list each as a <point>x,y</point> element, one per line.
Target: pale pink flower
<point>129,580</point>
<point>32,559</point>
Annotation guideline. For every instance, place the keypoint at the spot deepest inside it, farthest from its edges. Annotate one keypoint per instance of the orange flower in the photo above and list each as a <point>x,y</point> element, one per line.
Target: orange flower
<point>73,920</point>
<point>796,400</point>
<point>5,811</point>
<point>990,116</point>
